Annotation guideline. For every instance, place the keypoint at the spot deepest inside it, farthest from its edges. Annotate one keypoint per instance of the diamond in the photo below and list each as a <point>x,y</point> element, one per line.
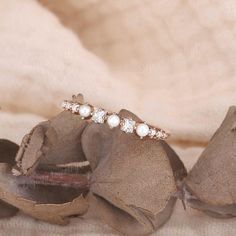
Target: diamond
<point>63,105</point>
<point>66,105</point>
<point>161,134</point>
<point>127,125</point>
<point>75,108</point>
<point>152,133</point>
<point>164,135</point>
<point>99,115</point>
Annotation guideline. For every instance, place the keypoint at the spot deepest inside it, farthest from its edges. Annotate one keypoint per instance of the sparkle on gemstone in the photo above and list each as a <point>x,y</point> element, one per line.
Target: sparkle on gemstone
<point>99,115</point>
<point>152,132</point>
<point>127,125</point>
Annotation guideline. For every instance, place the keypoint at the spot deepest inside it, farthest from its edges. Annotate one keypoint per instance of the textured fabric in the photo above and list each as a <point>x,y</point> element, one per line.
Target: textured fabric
<point>170,63</point>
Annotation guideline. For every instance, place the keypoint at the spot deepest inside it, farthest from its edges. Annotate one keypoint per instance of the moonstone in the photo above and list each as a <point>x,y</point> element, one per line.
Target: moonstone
<point>113,120</point>
<point>142,130</point>
<point>85,110</point>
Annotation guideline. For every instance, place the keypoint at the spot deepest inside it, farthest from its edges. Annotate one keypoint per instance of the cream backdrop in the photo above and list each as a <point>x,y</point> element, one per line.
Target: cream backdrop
<point>170,62</point>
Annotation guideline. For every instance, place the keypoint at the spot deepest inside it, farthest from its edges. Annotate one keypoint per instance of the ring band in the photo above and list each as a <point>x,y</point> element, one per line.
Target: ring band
<point>100,116</point>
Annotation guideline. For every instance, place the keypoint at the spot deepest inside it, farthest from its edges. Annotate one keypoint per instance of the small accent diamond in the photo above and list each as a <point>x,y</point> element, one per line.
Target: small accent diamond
<point>63,104</point>
<point>164,135</point>
<point>161,134</point>
<point>66,105</point>
<point>99,115</point>
<point>127,125</point>
<point>152,133</point>
<point>75,108</point>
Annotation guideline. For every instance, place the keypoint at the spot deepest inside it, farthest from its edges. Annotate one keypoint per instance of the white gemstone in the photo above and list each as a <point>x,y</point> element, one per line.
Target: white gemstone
<point>75,108</point>
<point>152,132</point>
<point>85,110</point>
<point>113,120</point>
<point>161,134</point>
<point>99,115</point>
<point>64,104</point>
<point>164,135</point>
<point>127,125</point>
<point>68,106</point>
<point>142,130</point>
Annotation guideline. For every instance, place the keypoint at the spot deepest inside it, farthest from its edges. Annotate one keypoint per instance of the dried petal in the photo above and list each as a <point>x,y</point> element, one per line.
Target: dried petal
<point>8,151</point>
<point>133,180</point>
<point>48,158</point>
<point>211,184</point>
<point>13,194</point>
<point>53,142</point>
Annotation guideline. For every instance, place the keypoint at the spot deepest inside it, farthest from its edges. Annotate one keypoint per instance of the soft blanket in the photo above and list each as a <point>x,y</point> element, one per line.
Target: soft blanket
<point>171,63</point>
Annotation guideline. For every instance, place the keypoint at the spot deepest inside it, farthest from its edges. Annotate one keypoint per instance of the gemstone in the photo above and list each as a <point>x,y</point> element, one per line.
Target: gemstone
<point>127,125</point>
<point>142,130</point>
<point>75,108</point>
<point>113,120</point>
<point>161,134</point>
<point>152,133</point>
<point>63,104</point>
<point>99,115</point>
<point>66,105</point>
<point>164,135</point>
<point>85,110</point>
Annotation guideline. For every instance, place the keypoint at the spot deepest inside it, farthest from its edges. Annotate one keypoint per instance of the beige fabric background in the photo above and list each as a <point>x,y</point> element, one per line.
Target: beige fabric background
<point>171,62</point>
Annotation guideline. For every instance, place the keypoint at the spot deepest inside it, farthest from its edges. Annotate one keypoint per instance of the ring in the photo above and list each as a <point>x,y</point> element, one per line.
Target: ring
<point>100,116</point>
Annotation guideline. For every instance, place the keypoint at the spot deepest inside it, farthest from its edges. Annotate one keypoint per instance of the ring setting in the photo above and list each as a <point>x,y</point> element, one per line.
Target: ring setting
<point>113,120</point>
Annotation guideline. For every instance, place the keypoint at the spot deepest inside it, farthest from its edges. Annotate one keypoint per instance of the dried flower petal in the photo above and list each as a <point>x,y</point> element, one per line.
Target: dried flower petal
<point>53,142</point>
<point>133,180</point>
<point>211,184</point>
<point>8,151</point>
<point>12,194</point>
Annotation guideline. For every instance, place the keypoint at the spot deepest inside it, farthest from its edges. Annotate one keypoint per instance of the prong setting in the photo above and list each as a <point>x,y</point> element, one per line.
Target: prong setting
<point>99,115</point>
<point>127,125</point>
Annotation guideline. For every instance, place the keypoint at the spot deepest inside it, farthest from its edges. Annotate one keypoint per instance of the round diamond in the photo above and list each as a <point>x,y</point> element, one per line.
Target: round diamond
<point>75,108</point>
<point>99,115</point>
<point>113,120</point>
<point>142,130</point>
<point>63,104</point>
<point>152,132</point>
<point>127,125</point>
<point>66,105</point>
<point>85,110</point>
<point>164,135</point>
<point>161,134</point>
